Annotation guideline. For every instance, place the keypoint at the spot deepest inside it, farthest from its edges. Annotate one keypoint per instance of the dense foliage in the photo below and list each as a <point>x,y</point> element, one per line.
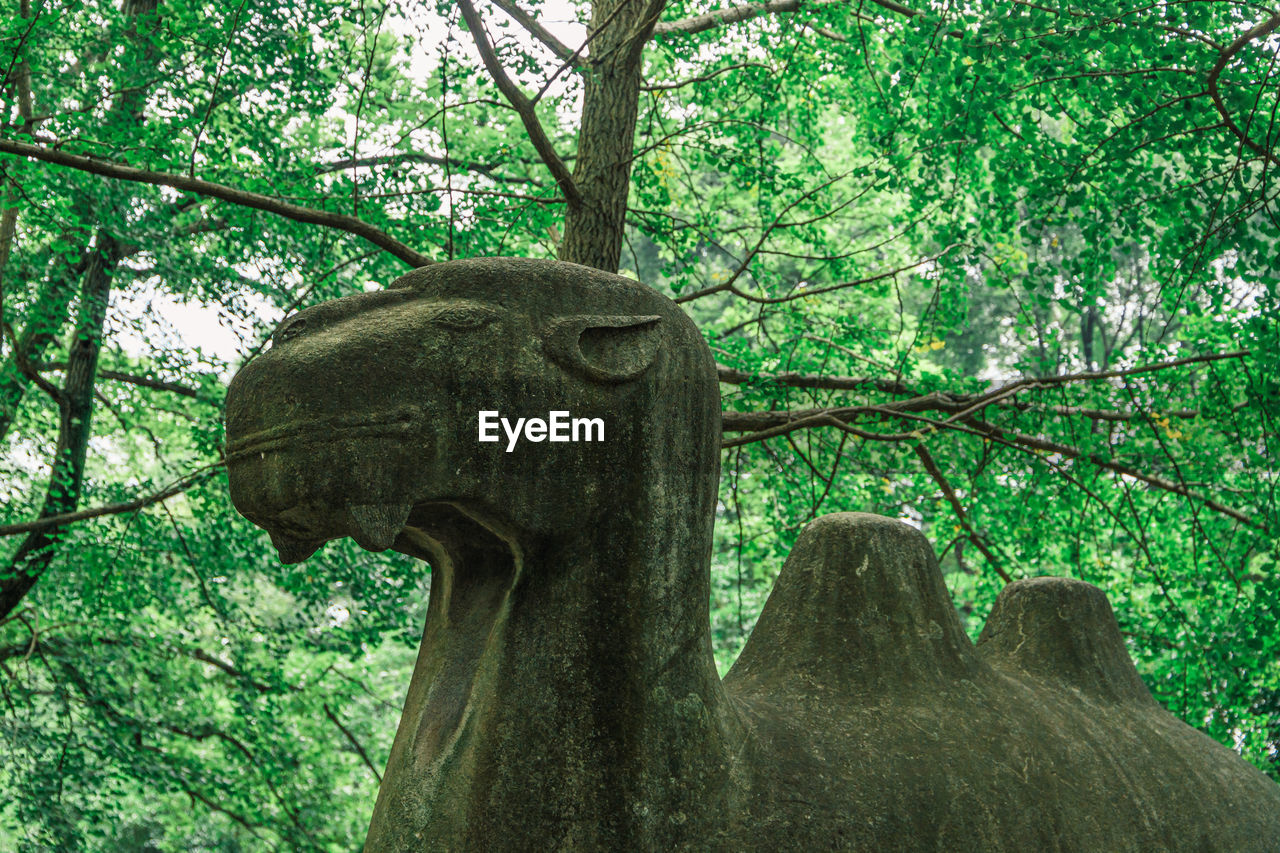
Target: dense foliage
<point>1007,270</point>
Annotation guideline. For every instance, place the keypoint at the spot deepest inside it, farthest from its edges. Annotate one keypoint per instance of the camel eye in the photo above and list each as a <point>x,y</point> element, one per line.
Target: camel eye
<point>465,317</point>
<point>292,329</point>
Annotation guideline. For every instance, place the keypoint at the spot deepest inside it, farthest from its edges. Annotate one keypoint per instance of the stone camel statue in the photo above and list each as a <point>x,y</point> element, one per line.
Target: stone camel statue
<point>565,696</point>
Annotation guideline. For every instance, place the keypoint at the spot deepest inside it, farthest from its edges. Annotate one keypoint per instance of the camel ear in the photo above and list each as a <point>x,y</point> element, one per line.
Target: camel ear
<point>604,348</point>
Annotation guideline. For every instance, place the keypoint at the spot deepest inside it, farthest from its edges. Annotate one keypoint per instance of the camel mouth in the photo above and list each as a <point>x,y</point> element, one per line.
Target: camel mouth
<point>399,423</point>
<point>298,531</point>
<point>439,532</point>
<point>456,533</point>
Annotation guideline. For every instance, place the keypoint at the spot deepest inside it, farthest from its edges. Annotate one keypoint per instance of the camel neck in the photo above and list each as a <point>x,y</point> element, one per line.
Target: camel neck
<point>565,694</point>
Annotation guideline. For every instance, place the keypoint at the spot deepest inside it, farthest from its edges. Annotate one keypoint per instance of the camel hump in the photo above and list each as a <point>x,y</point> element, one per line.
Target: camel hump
<point>1062,630</point>
<point>859,607</point>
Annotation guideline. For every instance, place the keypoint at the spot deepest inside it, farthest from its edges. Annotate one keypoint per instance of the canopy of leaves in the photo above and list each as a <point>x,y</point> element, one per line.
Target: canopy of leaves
<point>1009,271</point>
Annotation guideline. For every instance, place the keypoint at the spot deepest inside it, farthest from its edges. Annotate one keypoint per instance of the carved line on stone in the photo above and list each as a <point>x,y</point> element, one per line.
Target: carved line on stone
<point>394,423</point>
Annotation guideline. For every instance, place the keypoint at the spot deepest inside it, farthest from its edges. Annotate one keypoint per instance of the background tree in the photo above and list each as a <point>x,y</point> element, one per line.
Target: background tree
<point>1007,272</point>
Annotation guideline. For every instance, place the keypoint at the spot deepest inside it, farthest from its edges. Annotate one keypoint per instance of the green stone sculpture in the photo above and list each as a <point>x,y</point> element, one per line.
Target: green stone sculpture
<point>565,696</point>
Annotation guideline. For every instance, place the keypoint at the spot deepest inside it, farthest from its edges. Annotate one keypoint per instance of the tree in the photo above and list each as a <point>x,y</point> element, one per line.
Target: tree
<point>1009,272</point>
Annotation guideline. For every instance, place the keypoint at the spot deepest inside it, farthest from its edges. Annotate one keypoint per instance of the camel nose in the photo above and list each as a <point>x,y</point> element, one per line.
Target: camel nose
<point>321,442</point>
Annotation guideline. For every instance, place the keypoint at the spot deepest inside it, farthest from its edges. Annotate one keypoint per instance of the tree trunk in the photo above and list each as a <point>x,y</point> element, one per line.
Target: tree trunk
<point>76,411</point>
<point>49,312</point>
<point>75,401</point>
<point>9,217</point>
<point>45,320</point>
<point>606,138</point>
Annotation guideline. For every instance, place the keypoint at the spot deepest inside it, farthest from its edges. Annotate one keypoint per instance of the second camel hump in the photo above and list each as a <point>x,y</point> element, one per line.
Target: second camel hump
<point>1063,631</point>
<point>859,608</point>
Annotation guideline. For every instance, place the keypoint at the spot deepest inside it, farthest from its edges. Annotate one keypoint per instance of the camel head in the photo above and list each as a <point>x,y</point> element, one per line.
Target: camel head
<point>367,410</point>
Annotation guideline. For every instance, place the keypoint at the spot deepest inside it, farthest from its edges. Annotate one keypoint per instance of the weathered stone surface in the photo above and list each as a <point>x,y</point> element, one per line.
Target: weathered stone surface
<point>565,696</point>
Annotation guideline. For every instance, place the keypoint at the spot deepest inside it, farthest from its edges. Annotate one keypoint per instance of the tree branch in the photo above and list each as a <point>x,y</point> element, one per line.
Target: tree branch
<point>736,14</point>
<point>21,76</point>
<point>943,483</point>
<point>1069,452</point>
<point>969,425</point>
<point>354,743</point>
<point>942,401</point>
<point>562,51</point>
<point>732,376</point>
<point>200,733</point>
<point>204,657</point>
<point>838,418</point>
<point>1068,378</point>
<point>134,379</point>
<point>27,371</point>
<point>759,426</point>
<point>164,494</point>
<point>1260,31</point>
<point>485,169</point>
<point>802,294</point>
<point>528,115</point>
<point>701,78</point>
<point>244,198</point>
<point>196,795</point>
